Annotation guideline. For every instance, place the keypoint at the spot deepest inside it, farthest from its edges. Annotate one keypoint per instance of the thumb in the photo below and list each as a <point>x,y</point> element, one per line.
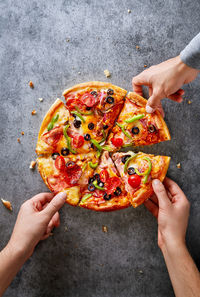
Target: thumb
<point>161,193</point>
<point>56,203</point>
<point>154,101</point>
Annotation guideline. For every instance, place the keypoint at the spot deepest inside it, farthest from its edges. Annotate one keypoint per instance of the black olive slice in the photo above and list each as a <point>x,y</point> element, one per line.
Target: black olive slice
<point>70,164</point>
<point>65,151</point>
<point>87,137</point>
<point>106,196</point>
<point>110,100</point>
<point>100,183</point>
<point>118,191</point>
<point>77,123</point>
<point>91,187</point>
<point>151,128</point>
<point>131,171</point>
<point>91,126</point>
<point>88,108</point>
<point>91,180</point>
<point>97,176</point>
<point>124,158</point>
<point>135,130</point>
<point>94,93</point>
<point>105,127</point>
<point>110,91</point>
<point>55,155</point>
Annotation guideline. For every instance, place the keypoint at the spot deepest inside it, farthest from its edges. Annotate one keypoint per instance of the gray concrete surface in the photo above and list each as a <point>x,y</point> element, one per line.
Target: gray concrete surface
<point>84,261</point>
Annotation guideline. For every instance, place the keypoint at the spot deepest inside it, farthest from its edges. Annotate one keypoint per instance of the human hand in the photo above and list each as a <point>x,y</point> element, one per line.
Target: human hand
<point>164,80</point>
<point>36,219</point>
<point>171,208</point>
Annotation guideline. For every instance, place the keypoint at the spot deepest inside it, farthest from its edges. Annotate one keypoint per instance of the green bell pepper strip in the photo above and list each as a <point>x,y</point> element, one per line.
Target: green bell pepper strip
<point>83,113</point>
<point>123,130</point>
<point>84,167</point>
<point>78,115</point>
<point>127,162</point>
<point>98,154</point>
<point>127,145</point>
<point>98,146</point>
<point>93,165</point>
<point>147,172</point>
<point>98,187</point>
<point>107,148</point>
<point>85,197</point>
<point>104,137</point>
<point>135,118</point>
<point>53,121</point>
<point>68,140</point>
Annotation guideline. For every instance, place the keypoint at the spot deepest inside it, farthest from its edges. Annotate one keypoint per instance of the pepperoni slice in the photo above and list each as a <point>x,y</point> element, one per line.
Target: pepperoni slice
<point>60,163</point>
<point>57,183</point>
<point>73,174</point>
<point>111,184</point>
<point>104,175</point>
<point>72,102</point>
<point>78,141</point>
<point>88,99</point>
<point>53,136</point>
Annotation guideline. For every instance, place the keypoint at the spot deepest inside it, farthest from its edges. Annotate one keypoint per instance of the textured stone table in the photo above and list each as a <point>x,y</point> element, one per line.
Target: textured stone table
<point>84,261</point>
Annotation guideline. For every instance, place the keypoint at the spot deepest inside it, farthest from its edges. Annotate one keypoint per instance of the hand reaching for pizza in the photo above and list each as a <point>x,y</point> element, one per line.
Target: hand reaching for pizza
<point>36,219</point>
<point>164,80</point>
<point>171,208</point>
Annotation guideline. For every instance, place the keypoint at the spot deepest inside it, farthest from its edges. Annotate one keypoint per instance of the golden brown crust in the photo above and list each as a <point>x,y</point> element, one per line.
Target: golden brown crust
<point>111,205</point>
<point>94,84</point>
<point>139,100</point>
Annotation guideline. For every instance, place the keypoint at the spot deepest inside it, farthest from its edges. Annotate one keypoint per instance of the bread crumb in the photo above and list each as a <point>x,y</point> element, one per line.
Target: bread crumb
<point>68,40</point>
<point>79,72</point>
<point>129,11</point>
<point>33,112</point>
<point>105,229</point>
<point>140,271</point>
<point>22,133</point>
<point>32,165</point>
<point>40,99</point>
<point>137,47</point>
<point>66,228</point>
<point>178,165</point>
<point>31,85</point>
<point>7,204</point>
<point>145,66</point>
<point>189,101</point>
<point>18,140</point>
<point>107,73</point>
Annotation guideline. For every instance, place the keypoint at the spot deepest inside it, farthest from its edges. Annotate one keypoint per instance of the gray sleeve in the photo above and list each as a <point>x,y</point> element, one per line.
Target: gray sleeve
<point>191,53</point>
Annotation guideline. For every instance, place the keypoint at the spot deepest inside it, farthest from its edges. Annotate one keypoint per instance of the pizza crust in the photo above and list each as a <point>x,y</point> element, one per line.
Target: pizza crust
<point>111,205</point>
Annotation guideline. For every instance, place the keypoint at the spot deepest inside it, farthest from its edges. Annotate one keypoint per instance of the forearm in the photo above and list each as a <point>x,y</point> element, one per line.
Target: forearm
<point>191,53</point>
<point>182,270</point>
<point>11,260</point>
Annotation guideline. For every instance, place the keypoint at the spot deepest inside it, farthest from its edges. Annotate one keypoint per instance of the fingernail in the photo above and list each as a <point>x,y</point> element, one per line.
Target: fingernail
<point>156,182</point>
<point>62,195</point>
<point>149,109</point>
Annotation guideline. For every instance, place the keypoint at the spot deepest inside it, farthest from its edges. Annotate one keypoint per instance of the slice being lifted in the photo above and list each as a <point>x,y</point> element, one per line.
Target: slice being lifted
<point>106,190</point>
<point>69,174</point>
<point>135,127</point>
<point>138,171</point>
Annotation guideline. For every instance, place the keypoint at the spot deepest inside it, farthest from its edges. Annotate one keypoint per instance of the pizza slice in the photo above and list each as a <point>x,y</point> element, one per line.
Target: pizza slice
<point>137,171</point>
<point>106,190</point>
<point>67,173</point>
<point>135,127</point>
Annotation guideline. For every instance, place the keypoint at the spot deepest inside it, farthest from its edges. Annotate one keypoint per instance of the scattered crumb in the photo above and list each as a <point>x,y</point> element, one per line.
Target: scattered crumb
<point>107,73</point>
<point>33,112</point>
<point>140,271</point>
<point>22,133</point>
<point>129,11</point>
<point>40,99</point>
<point>18,140</point>
<point>32,165</point>
<point>178,165</point>
<point>68,40</point>
<point>189,101</point>
<point>145,66</point>
<point>66,228</point>
<point>79,72</point>
<point>31,85</point>
<point>137,47</point>
<point>105,229</point>
<point>7,204</point>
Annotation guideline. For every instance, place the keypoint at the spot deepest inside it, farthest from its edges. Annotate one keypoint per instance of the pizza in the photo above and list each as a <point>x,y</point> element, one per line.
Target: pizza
<point>137,171</point>
<point>136,127</point>
<point>79,141</point>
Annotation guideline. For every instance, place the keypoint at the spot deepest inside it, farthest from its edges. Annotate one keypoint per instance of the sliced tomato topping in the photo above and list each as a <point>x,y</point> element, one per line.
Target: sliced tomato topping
<point>60,163</point>
<point>104,175</point>
<point>72,102</point>
<point>88,99</point>
<point>111,184</point>
<point>134,180</point>
<point>78,141</point>
<point>57,183</point>
<point>117,141</point>
<point>53,136</point>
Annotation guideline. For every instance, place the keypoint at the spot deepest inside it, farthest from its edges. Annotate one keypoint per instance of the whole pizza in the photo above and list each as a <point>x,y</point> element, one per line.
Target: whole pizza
<point>81,145</point>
